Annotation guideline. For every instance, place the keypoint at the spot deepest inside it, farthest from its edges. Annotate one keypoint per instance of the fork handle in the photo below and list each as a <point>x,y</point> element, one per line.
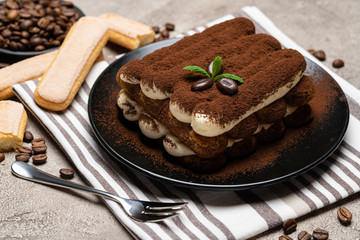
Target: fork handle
<point>25,171</point>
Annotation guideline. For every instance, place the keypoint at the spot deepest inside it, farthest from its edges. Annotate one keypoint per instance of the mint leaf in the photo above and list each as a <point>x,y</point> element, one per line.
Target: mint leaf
<point>197,70</point>
<point>231,76</point>
<point>216,66</point>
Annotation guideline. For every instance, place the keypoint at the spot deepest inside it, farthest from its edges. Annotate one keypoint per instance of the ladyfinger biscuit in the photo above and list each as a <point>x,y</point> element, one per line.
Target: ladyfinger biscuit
<point>28,69</point>
<point>80,49</point>
<point>13,120</point>
<point>127,33</point>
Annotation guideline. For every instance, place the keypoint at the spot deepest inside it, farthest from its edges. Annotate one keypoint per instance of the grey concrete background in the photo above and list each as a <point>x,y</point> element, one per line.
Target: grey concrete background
<point>33,211</point>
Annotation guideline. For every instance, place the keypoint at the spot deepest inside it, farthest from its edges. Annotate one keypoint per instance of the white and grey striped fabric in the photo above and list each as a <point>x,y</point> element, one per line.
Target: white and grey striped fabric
<point>210,215</point>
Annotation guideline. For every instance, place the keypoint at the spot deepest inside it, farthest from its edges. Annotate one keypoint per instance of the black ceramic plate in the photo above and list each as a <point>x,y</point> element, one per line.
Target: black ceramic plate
<point>298,151</point>
<point>18,55</point>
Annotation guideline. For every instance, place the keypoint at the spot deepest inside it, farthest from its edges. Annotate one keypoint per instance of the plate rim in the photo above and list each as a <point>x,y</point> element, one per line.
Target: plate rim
<point>196,185</point>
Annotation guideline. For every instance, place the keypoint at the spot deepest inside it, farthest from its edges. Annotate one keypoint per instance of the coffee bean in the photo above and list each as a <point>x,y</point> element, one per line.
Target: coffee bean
<point>156,29</point>
<point>285,237</point>
<point>220,71</point>
<point>6,33</point>
<point>43,22</point>
<point>165,34</point>
<point>20,46</point>
<point>2,157</point>
<point>35,41</point>
<point>22,157</point>
<point>11,4</point>
<point>39,48</point>
<point>338,63</point>
<point>39,148</point>
<point>55,43</point>
<point>13,45</point>
<point>320,54</point>
<point>311,51</point>
<point>37,141</point>
<point>202,84</point>
<point>39,159</point>
<point>169,26</point>
<point>25,15</point>
<point>24,149</point>
<point>320,234</point>
<point>66,173</point>
<point>344,215</point>
<point>28,137</point>
<point>25,25</point>
<point>289,226</point>
<point>12,14</point>
<point>304,235</point>
<point>227,86</point>
<point>25,34</point>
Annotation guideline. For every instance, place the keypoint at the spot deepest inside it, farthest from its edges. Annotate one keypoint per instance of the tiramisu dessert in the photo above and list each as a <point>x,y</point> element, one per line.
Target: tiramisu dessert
<point>214,96</point>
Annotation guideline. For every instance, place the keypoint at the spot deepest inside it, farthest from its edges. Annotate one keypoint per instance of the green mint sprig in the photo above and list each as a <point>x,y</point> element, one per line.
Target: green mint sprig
<point>215,69</point>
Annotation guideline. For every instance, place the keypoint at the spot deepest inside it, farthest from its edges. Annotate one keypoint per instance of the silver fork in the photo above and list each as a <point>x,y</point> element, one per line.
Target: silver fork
<point>143,211</point>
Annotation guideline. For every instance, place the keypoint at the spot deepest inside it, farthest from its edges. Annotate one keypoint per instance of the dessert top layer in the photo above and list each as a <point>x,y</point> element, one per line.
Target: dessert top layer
<point>268,71</point>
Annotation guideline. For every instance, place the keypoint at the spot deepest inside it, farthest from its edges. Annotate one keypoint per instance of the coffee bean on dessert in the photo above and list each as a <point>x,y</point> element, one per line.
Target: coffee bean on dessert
<point>165,34</point>
<point>2,157</point>
<point>39,148</point>
<point>320,54</point>
<point>285,237</point>
<point>39,159</point>
<point>25,149</point>
<point>320,234</point>
<point>209,70</point>
<point>338,63</point>
<point>289,226</point>
<point>202,84</point>
<point>344,215</point>
<point>169,26</point>
<point>227,86</point>
<point>66,173</point>
<point>38,140</point>
<point>304,235</point>
<point>22,157</point>
<point>156,29</point>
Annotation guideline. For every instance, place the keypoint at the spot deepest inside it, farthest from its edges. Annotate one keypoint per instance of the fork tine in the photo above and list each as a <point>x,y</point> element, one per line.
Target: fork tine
<point>162,205</point>
<point>162,212</point>
<point>156,218</point>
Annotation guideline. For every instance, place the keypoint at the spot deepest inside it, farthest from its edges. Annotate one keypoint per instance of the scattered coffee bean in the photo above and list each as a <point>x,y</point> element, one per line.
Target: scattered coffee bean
<point>202,84</point>
<point>311,51</point>
<point>304,235</point>
<point>28,137</point>
<point>39,159</point>
<point>160,38</point>
<point>165,34</point>
<point>320,234</point>
<point>156,29</point>
<point>169,26</point>
<point>39,148</point>
<point>220,71</point>
<point>30,17</point>
<point>2,157</point>
<point>289,226</point>
<point>285,237</point>
<point>22,157</point>
<point>338,63</point>
<point>320,54</point>
<point>227,86</point>
<point>24,149</point>
<point>344,215</point>
<point>66,173</point>
<point>38,140</point>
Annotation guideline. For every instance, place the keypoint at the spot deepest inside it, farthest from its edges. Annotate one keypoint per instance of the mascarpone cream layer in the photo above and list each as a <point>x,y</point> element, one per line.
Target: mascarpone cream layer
<point>130,108</point>
<point>175,147</point>
<point>151,127</point>
<point>204,125</point>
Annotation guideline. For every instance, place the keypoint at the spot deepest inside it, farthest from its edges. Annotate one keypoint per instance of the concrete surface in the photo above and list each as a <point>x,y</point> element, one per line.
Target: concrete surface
<point>33,211</point>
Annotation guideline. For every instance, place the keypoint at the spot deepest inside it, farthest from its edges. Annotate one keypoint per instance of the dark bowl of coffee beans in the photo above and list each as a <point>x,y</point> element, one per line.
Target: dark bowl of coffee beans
<point>33,27</point>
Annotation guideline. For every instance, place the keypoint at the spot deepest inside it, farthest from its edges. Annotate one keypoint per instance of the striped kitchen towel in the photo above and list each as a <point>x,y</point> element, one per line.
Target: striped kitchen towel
<point>210,215</point>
